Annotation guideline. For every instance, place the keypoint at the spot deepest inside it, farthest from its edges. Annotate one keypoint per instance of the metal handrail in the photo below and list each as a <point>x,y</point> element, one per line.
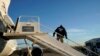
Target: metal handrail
<point>27,47</point>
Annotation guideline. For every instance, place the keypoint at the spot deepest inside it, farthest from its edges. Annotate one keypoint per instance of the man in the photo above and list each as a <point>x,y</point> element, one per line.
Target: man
<point>60,33</point>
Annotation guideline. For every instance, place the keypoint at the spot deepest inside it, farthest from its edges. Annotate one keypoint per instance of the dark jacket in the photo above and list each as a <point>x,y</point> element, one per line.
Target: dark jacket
<point>60,31</point>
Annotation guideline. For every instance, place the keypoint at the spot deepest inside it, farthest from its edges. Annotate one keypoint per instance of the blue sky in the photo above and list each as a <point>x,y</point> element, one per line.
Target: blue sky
<point>81,18</point>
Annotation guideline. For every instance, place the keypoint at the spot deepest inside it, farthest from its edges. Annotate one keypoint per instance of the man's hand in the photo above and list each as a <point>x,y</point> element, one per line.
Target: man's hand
<point>66,37</point>
<point>53,35</point>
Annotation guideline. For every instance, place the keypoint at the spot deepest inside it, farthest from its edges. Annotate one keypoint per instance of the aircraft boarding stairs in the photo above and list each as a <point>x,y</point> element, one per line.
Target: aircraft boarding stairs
<point>46,40</point>
<point>31,31</point>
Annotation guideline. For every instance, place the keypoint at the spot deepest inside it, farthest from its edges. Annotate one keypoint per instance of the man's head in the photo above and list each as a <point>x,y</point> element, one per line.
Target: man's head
<point>61,26</point>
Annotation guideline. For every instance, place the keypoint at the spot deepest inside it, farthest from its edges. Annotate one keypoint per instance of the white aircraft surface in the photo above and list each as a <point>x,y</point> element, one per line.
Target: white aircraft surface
<point>6,46</point>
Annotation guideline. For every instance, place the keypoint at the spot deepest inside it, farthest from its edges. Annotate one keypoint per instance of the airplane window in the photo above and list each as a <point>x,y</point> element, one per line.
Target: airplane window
<point>28,28</point>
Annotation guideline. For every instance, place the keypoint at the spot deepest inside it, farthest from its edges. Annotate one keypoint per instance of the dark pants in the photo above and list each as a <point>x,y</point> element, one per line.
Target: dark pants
<point>60,38</point>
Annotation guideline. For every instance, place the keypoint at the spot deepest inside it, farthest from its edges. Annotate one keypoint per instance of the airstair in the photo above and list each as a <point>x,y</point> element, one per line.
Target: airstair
<point>31,30</point>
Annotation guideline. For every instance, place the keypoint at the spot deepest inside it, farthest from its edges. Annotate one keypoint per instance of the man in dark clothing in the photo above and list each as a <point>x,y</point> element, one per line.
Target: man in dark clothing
<point>60,33</point>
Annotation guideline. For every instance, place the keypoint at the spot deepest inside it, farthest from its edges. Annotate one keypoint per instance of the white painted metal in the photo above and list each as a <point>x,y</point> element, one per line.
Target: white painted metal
<point>4,5</point>
<point>6,47</point>
<point>33,24</point>
<point>9,48</point>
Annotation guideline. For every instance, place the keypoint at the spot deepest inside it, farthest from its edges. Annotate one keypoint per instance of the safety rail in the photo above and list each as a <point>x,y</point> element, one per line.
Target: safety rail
<point>28,47</point>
